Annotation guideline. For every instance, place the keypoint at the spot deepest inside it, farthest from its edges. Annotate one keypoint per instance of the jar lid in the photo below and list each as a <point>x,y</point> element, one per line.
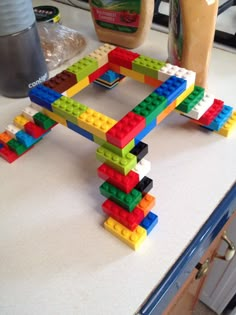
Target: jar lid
<point>47,13</point>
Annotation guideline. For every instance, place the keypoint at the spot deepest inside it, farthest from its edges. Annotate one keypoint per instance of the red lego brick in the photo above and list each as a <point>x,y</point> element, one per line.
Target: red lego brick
<point>126,129</point>
<point>129,219</point>
<point>211,113</point>
<point>8,155</point>
<point>124,182</point>
<point>99,72</point>
<point>34,130</point>
<point>122,57</point>
<point>61,82</point>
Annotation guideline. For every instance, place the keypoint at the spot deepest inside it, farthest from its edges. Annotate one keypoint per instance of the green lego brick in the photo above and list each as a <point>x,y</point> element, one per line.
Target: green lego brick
<point>127,201</point>
<point>43,121</point>
<point>69,109</point>
<point>121,164</point>
<point>83,67</point>
<point>195,97</point>
<point>121,152</point>
<point>151,107</point>
<point>16,146</point>
<point>148,66</point>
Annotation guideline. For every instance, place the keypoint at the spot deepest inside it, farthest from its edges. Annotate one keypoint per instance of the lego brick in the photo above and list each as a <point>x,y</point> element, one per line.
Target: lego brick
<point>119,151</point>
<point>140,150</point>
<point>122,164</point>
<point>25,139</point>
<point>152,82</point>
<point>98,73</point>
<point>147,66</point>
<point>192,100</point>
<point>171,88</point>
<point>142,168</point>
<point>122,57</point>
<point>43,96</point>
<point>8,155</point>
<point>34,130</point>
<point>229,126</point>
<point>201,107</point>
<point>43,121</point>
<point>149,222</point>
<point>132,74</point>
<point>68,109</point>
<point>5,138</point>
<point>77,87</point>
<point>184,95</point>
<point>96,123</point>
<point>211,113</point>
<point>167,111</point>
<point>61,82</point>
<point>29,113</point>
<point>114,67</point>
<point>132,238</point>
<point>145,185</point>
<point>12,130</point>
<point>169,70</point>
<point>109,77</point>
<point>129,219</point>
<point>151,107</point>
<point>107,85</point>
<point>101,54</point>
<point>55,117</point>
<point>221,118</point>
<point>128,201</point>
<point>126,129</point>
<point>124,182</point>
<point>20,121</point>
<point>16,146</point>
<point>145,131</point>
<point>84,67</point>
<point>147,203</point>
<point>80,131</point>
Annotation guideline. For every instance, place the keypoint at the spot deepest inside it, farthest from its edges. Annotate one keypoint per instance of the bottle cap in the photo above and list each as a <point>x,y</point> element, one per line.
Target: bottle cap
<point>15,16</point>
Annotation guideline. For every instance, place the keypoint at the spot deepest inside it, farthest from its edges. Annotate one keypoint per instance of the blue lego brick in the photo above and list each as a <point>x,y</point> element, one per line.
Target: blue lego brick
<point>1,146</point>
<point>25,139</point>
<point>149,222</point>
<point>221,118</point>
<point>172,88</point>
<point>44,96</point>
<point>110,76</point>
<point>79,130</point>
<point>145,131</point>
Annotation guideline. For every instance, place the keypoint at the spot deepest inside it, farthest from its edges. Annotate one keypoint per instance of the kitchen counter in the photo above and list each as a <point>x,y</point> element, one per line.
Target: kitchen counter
<point>56,258</point>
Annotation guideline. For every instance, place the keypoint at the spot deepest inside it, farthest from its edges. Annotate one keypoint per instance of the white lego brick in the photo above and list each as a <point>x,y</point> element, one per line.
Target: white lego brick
<point>142,168</point>
<point>201,107</point>
<point>169,70</point>
<point>29,113</point>
<point>12,130</point>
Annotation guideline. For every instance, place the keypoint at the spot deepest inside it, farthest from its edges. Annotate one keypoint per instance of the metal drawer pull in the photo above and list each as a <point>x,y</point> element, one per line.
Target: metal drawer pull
<point>202,269</point>
<point>230,251</point>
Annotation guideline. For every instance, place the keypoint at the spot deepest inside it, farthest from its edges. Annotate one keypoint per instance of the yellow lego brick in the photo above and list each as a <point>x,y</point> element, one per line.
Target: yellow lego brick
<point>132,74</point>
<point>166,112</point>
<point>185,94</point>
<point>132,238</point>
<point>20,121</point>
<point>96,123</point>
<point>55,117</point>
<point>77,87</point>
<point>101,54</point>
<point>229,126</point>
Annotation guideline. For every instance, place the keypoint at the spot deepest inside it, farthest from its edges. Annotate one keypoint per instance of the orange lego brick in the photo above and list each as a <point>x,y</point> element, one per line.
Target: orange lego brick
<point>147,203</point>
<point>166,111</point>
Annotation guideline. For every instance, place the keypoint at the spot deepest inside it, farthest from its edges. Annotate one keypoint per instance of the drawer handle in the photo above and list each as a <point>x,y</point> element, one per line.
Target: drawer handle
<point>230,251</point>
<point>202,269</point>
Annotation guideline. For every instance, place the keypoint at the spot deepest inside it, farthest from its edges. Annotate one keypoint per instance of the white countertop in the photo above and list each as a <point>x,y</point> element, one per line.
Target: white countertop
<point>56,258</point>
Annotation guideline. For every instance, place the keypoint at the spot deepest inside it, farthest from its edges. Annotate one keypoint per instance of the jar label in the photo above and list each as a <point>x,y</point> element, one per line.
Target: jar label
<point>117,15</point>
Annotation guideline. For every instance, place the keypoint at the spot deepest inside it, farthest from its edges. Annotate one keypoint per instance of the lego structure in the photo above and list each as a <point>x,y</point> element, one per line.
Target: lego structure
<point>121,151</point>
